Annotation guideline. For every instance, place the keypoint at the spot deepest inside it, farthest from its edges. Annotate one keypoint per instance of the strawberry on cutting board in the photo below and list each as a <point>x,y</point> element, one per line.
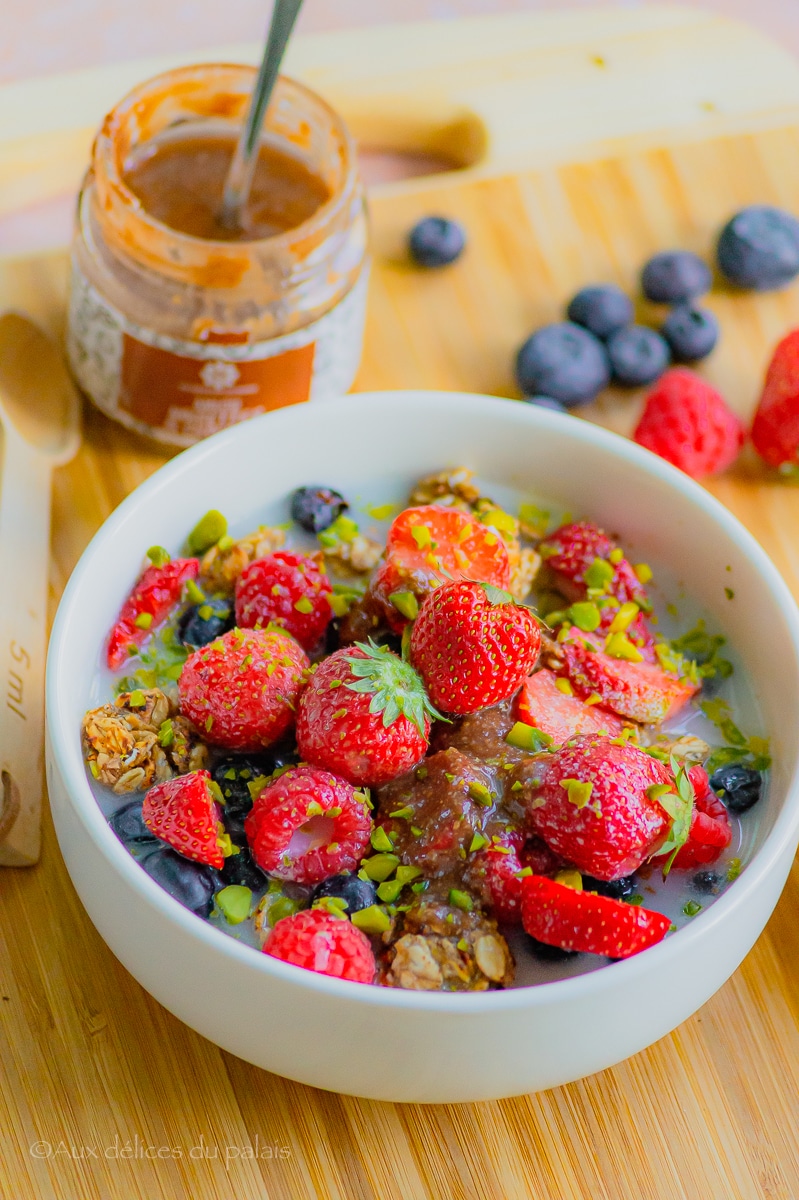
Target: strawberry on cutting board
<point>364,715</point>
<point>574,920</point>
<point>775,430</point>
<point>473,645</point>
<point>184,813</point>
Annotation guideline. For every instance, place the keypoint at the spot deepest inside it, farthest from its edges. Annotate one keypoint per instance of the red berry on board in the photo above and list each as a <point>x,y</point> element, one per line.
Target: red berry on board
<point>562,916</point>
<point>775,430</point>
<point>318,941</point>
<point>287,589</point>
<point>241,690</point>
<point>184,813</point>
<point>365,715</point>
<point>307,824</point>
<point>594,806</point>
<point>687,422</point>
<point>473,645</point>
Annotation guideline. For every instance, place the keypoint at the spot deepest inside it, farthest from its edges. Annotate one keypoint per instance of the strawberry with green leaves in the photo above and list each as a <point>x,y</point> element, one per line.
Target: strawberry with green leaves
<point>473,645</point>
<point>364,715</point>
<point>185,813</point>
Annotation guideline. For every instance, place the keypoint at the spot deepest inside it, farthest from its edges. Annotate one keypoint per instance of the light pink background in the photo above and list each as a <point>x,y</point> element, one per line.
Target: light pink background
<point>42,36</point>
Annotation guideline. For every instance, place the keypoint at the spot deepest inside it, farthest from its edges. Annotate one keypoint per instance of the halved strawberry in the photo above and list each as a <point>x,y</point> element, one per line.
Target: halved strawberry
<point>156,592</point>
<point>541,703</point>
<point>710,831</point>
<point>562,916</point>
<point>184,813</point>
<point>428,545</point>
<point>641,691</point>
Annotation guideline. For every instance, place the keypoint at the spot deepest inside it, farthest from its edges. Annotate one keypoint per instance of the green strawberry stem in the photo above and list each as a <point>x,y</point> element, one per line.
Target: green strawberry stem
<point>396,687</point>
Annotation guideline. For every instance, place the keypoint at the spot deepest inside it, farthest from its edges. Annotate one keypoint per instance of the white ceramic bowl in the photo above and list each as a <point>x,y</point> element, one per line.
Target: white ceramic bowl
<point>378,1042</point>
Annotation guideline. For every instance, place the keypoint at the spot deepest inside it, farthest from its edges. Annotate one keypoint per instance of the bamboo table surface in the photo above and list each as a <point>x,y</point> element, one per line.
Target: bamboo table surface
<point>105,1095</point>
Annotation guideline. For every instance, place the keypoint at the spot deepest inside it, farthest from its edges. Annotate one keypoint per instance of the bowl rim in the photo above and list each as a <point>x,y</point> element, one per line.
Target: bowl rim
<point>624,972</point>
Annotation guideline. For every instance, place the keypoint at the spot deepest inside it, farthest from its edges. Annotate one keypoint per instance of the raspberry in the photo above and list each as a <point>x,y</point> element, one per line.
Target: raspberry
<point>572,550</point>
<point>285,589</point>
<point>318,941</point>
<point>687,422</point>
<point>593,806</point>
<point>307,825</point>
<point>775,431</point>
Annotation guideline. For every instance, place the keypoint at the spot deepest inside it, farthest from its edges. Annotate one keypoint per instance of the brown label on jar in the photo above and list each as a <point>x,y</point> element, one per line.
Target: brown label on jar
<point>195,397</point>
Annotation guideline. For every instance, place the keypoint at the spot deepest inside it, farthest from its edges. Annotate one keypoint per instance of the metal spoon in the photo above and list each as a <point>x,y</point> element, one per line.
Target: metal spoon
<point>40,420</point>
<point>245,156</point>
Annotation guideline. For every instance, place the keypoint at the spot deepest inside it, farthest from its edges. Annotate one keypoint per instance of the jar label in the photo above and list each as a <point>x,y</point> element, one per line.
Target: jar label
<point>180,391</point>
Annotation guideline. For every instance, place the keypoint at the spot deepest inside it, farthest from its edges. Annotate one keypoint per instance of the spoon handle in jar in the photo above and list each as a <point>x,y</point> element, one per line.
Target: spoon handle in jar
<point>245,156</point>
<point>24,559</point>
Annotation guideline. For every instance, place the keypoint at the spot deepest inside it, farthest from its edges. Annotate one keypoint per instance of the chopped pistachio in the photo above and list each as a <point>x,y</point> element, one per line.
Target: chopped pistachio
<point>585,616</point>
<point>166,733</point>
<point>691,908</point>
<point>137,699</point>
<point>389,891</point>
<point>234,902</point>
<point>282,907</point>
<point>480,794</point>
<point>459,899</point>
<point>578,792</point>
<point>421,535</point>
<point>406,873</point>
<point>416,831</point>
<point>158,556</point>
<point>624,617</point>
<point>304,605</point>
<point>498,519</point>
<point>599,574</point>
<point>380,866</point>
<point>216,791</point>
<point>563,685</point>
<point>406,604</point>
<point>570,878</point>
<point>643,571</point>
<point>144,620</point>
<point>314,809</point>
<point>527,737</point>
<point>477,842</point>
<point>207,532</point>
<point>616,556</point>
<point>194,593</point>
<point>733,869</point>
<point>374,920</point>
<point>400,814</point>
<point>618,645</point>
<point>380,840</point>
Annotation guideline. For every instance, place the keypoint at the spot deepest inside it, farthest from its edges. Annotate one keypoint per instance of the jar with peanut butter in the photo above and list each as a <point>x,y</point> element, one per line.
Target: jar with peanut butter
<point>178,327</point>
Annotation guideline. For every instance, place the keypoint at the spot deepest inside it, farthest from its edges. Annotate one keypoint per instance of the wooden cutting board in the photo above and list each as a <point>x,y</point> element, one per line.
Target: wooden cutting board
<point>586,142</point>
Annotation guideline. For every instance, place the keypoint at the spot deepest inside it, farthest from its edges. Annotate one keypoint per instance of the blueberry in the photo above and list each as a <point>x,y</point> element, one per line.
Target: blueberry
<point>546,402</point>
<point>709,883</point>
<point>192,883</point>
<point>242,869</point>
<point>315,508</point>
<point>128,825</point>
<point>601,309</point>
<point>549,953</point>
<point>563,361</point>
<point>203,623</point>
<point>675,277</point>
<point>637,355</point>
<point>690,332</point>
<point>233,774</point>
<point>358,893</point>
<point>436,241</point>
<point>617,889</point>
<point>739,787</point>
<point>759,248</point>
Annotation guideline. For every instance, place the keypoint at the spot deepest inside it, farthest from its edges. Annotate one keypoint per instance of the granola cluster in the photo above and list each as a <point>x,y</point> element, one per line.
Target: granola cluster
<point>224,562</point>
<point>444,948</point>
<point>140,740</point>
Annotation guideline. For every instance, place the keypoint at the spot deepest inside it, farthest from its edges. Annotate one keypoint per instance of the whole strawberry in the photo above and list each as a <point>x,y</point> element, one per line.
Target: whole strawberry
<point>687,422</point>
<point>598,807</point>
<point>473,645</point>
<point>775,431</point>
<point>287,589</point>
<point>307,825</point>
<point>364,715</point>
<point>241,690</point>
<point>184,813</point>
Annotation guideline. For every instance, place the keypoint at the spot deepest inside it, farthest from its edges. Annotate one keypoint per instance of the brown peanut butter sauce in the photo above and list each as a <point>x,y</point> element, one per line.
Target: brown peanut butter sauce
<point>179,180</point>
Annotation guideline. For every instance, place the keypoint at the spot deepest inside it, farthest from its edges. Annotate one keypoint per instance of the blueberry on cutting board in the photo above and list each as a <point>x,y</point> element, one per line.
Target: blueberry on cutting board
<point>638,355</point>
<point>436,242</point>
<point>563,361</point>
<point>675,277</point>
<point>692,333</point>
<point>601,309</point>
<point>759,248</point>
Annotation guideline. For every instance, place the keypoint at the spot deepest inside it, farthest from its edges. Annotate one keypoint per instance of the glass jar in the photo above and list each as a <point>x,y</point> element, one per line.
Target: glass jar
<point>177,336</point>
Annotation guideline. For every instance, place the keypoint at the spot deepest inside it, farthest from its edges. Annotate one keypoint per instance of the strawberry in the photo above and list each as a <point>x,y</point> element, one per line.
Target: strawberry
<point>540,703</point>
<point>306,825</point>
<point>495,872</point>
<point>157,592</point>
<point>641,691</point>
<point>687,422</point>
<point>709,831</point>
<point>775,431</point>
<point>364,715</point>
<point>473,645</point>
<point>573,920</point>
<point>287,589</point>
<point>184,813</point>
<point>241,690</point>
<point>595,806</point>
<point>428,545</point>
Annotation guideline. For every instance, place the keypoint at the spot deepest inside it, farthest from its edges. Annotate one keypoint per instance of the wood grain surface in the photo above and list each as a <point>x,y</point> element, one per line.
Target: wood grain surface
<point>105,1096</point>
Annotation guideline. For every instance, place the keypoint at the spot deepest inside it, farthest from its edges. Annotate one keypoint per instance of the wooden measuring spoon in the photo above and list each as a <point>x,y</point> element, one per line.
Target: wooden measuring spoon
<point>40,420</point>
